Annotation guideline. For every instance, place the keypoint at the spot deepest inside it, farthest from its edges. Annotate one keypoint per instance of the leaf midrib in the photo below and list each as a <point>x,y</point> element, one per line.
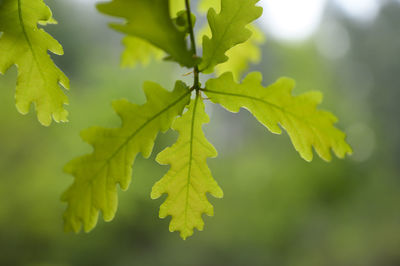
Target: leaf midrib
<point>190,158</point>
<point>220,40</point>
<point>21,21</point>
<point>263,101</point>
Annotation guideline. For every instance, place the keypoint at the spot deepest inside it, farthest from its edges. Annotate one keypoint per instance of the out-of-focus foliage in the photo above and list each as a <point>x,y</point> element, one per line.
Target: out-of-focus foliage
<point>240,56</point>
<point>175,6</point>
<point>138,51</point>
<point>277,209</point>
<point>23,44</point>
<point>150,20</point>
<point>243,54</point>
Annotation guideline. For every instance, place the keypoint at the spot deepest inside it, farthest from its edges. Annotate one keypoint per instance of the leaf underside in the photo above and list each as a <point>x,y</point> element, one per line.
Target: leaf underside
<point>275,105</point>
<point>189,178</point>
<point>139,51</point>
<point>25,45</point>
<point>114,152</point>
<point>150,20</point>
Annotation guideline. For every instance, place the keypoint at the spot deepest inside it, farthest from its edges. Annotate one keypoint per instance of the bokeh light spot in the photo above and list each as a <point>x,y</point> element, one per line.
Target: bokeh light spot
<point>292,20</point>
<point>333,40</point>
<point>362,139</point>
<point>364,10</point>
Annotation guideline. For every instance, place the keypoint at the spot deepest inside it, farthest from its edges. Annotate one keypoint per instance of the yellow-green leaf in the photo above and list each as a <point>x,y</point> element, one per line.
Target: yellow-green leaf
<point>114,151</point>
<point>138,51</point>
<point>228,29</point>
<point>189,178</point>
<point>176,6</point>
<point>275,105</point>
<point>242,54</point>
<point>205,5</point>
<point>23,44</point>
<point>151,21</point>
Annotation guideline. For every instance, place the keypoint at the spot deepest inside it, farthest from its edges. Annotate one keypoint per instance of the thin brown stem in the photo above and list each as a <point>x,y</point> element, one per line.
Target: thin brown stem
<point>196,71</point>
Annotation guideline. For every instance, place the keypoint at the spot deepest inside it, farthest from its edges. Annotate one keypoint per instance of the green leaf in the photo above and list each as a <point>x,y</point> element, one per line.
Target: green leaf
<point>243,54</point>
<point>189,178</point>
<point>176,6</point>
<point>25,45</point>
<point>151,21</point>
<point>182,23</point>
<point>205,5</point>
<point>138,51</point>
<point>275,105</point>
<point>114,151</point>
<point>228,29</point>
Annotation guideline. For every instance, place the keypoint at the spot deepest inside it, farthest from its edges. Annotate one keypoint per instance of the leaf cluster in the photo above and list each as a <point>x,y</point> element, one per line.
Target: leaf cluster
<point>156,29</point>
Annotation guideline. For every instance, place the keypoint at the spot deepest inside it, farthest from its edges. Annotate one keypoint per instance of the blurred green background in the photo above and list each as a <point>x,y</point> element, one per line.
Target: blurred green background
<point>278,209</point>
